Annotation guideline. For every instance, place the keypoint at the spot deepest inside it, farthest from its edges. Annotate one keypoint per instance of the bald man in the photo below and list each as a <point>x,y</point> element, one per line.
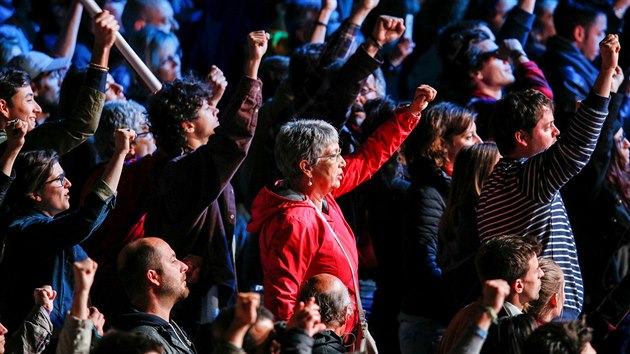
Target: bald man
<point>336,308</point>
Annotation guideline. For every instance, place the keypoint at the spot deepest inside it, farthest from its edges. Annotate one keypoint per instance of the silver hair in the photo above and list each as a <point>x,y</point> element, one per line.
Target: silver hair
<point>117,115</point>
<point>304,139</point>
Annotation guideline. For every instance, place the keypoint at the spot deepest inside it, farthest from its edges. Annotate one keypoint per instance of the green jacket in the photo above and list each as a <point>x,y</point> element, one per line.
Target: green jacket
<point>63,136</point>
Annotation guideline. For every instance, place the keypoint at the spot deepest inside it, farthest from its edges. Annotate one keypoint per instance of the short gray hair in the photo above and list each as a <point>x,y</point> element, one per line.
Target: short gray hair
<point>304,139</point>
<point>331,295</point>
<point>117,115</point>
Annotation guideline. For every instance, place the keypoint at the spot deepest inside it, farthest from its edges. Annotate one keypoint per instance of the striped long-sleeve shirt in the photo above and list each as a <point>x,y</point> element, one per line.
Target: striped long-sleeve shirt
<point>521,196</point>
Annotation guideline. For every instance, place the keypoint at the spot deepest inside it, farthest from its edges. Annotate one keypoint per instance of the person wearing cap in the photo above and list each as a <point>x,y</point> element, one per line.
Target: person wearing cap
<point>46,76</point>
<point>486,69</point>
<point>17,98</point>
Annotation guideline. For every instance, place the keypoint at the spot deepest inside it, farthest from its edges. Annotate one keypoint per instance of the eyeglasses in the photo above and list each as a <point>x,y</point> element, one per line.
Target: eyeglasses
<point>366,90</point>
<point>489,55</point>
<point>140,135</point>
<point>334,157</point>
<point>61,180</point>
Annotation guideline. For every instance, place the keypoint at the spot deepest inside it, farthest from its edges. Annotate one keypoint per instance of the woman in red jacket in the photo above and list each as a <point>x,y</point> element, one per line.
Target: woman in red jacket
<point>301,228</point>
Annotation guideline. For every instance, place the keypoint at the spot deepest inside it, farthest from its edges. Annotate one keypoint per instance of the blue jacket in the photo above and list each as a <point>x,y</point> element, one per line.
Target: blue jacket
<point>41,250</point>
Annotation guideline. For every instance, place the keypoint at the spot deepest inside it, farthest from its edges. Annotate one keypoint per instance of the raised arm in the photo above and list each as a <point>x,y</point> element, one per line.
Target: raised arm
<point>319,32</point>
<point>379,147</point>
<point>609,49</point>
<point>15,140</point>
<point>82,122</point>
<point>546,172</point>
<point>75,336</point>
<point>218,84</point>
<point>257,44</point>
<point>35,332</point>
<point>123,139</point>
<point>67,39</point>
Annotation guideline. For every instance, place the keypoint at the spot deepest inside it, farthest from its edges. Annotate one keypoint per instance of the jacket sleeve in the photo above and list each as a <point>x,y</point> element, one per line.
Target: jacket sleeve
<point>549,170</point>
<point>75,336</point>
<point>591,180</point>
<point>287,252</point>
<point>79,125</point>
<point>517,25</point>
<point>376,150</point>
<point>72,228</point>
<point>33,335</point>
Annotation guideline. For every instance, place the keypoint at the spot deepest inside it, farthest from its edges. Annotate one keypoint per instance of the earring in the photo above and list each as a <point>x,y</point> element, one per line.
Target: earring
<point>310,182</point>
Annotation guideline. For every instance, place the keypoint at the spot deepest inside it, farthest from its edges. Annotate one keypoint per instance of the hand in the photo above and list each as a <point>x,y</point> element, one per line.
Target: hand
<point>369,4</point>
<point>194,264</point>
<point>45,296</point>
<point>511,48</point>
<point>218,83</point>
<point>403,49</point>
<point>123,139</point>
<point>617,80</point>
<point>609,48</point>
<point>98,318</point>
<point>494,293</point>
<point>307,317</point>
<point>257,42</point>
<point>16,130</point>
<point>388,29</point>
<point>424,95</point>
<point>329,5</point>
<point>84,272</point>
<point>246,310</point>
<point>105,28</point>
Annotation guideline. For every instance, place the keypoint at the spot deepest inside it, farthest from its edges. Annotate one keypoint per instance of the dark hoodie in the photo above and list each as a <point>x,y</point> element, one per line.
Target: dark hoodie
<point>169,334</point>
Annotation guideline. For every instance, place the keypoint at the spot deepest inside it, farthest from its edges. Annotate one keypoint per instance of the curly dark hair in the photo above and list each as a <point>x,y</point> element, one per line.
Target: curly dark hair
<point>177,102</point>
<point>559,338</point>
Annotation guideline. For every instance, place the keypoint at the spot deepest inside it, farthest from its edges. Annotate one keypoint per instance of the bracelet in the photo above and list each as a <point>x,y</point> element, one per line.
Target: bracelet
<point>98,67</point>
<point>492,313</point>
<point>371,38</point>
<point>320,23</point>
<point>480,332</point>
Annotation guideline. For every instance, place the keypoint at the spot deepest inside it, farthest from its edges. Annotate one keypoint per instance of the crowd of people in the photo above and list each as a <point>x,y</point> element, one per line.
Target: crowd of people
<point>466,159</point>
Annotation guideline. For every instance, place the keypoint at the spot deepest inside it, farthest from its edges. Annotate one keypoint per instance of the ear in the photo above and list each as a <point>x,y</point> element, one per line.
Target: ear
<point>36,197</point>
<point>306,167</point>
<point>475,76</point>
<point>153,277</point>
<point>554,300</point>
<point>579,33</point>
<point>139,24</point>
<point>4,108</point>
<point>520,136</point>
<point>188,126</point>
<point>518,286</point>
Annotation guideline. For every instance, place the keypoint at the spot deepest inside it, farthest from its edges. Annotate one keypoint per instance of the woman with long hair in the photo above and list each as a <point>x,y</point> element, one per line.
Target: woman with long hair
<point>430,151</point>
<point>458,237</point>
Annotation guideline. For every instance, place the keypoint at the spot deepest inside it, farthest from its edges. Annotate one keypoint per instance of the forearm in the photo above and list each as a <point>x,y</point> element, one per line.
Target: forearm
<point>112,173</point>
<point>319,33</point>
<point>79,308</point>
<point>603,82</point>
<point>67,40</point>
<point>251,68</point>
<point>527,5</point>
